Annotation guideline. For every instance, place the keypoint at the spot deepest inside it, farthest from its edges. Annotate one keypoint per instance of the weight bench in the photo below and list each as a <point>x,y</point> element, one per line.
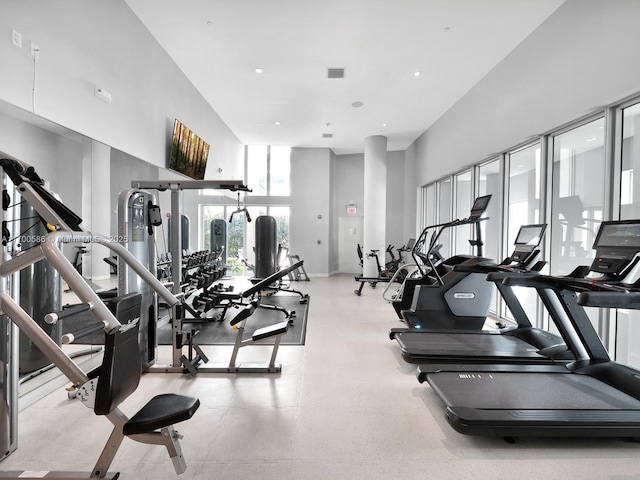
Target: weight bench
<point>191,361</point>
<point>118,377</point>
<point>226,300</point>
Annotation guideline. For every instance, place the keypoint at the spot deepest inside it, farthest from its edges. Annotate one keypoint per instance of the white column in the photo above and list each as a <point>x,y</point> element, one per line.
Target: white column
<point>96,205</point>
<point>375,202</point>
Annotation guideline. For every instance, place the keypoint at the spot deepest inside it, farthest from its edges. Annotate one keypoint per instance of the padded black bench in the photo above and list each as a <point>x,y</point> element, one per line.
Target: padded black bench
<point>226,300</point>
<point>118,377</point>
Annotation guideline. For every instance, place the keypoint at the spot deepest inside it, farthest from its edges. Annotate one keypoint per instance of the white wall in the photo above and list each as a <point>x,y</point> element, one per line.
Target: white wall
<point>395,201</point>
<point>349,187</point>
<point>310,236</point>
<point>582,58</point>
<point>92,42</point>
<point>334,238</point>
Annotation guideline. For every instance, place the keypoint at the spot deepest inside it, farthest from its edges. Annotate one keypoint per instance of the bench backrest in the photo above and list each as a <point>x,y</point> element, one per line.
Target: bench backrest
<point>121,368</point>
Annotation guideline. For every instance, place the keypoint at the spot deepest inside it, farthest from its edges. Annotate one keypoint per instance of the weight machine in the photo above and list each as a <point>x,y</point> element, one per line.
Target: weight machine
<point>106,387</point>
<point>181,337</point>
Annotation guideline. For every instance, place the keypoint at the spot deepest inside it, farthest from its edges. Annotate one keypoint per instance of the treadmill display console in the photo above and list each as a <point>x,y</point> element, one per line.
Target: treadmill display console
<point>530,235</point>
<point>479,207</point>
<point>527,242</point>
<point>625,234</point>
<point>616,245</point>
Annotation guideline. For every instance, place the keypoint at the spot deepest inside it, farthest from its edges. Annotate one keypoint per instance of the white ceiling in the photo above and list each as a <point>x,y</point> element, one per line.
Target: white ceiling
<point>218,44</point>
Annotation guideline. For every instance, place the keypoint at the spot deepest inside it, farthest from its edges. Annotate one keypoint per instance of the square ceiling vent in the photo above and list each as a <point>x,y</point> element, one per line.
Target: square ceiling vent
<point>335,72</point>
<point>327,135</point>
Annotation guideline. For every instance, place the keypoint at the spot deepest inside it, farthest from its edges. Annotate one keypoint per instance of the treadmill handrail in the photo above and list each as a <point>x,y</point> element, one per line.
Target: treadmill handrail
<point>607,299</point>
<point>566,283</point>
<point>433,242</point>
<point>490,268</point>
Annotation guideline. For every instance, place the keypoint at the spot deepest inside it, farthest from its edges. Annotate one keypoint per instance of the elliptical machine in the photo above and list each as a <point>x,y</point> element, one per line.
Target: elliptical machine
<point>442,297</point>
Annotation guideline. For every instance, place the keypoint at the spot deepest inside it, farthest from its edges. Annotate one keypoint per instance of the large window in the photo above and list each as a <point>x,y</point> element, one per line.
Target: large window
<point>489,183</point>
<point>428,206</point>
<point>279,167</point>
<point>230,234</point>
<point>267,175</point>
<point>628,321</point>
<point>444,215</point>
<point>268,169</point>
<point>257,169</point>
<point>577,201</point>
<point>240,234</point>
<point>524,186</point>
<point>463,192</point>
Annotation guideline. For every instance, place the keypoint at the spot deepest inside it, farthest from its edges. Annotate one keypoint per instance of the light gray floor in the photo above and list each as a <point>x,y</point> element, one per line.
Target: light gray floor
<point>346,406</point>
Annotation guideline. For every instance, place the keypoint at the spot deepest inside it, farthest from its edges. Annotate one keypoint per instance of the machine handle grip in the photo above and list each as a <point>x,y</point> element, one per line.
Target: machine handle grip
<point>53,317</point>
<point>83,332</point>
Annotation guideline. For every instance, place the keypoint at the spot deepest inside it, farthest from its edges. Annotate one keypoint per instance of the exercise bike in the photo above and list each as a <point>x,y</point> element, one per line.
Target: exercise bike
<point>384,275</point>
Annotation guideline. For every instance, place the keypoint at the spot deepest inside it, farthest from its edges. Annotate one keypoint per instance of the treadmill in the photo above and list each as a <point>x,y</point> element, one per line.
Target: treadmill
<point>442,297</point>
<point>592,396</point>
<point>522,343</point>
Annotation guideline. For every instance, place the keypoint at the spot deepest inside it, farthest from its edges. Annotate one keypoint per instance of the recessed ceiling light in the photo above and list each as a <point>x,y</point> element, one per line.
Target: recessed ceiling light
<point>277,123</point>
<point>592,139</point>
<point>384,124</point>
<point>417,73</point>
<point>357,104</point>
<point>259,70</point>
<point>209,22</point>
<point>446,29</point>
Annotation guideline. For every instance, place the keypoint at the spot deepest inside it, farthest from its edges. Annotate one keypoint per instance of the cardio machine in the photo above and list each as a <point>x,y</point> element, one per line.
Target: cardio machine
<point>521,343</point>
<point>591,396</point>
<point>393,271</point>
<point>442,297</point>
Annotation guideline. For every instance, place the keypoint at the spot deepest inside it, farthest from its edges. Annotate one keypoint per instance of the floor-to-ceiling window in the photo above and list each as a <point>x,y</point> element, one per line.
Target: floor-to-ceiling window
<point>428,205</point>
<point>234,230</point>
<point>444,215</point>
<point>268,170</point>
<point>490,183</point>
<point>524,207</point>
<point>268,178</point>
<point>463,189</point>
<point>628,321</point>
<point>577,199</point>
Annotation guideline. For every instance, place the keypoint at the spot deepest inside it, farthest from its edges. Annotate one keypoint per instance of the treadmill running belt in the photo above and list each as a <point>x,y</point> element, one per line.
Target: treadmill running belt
<point>531,390</point>
<point>452,347</point>
<point>449,344</point>
<point>511,404</point>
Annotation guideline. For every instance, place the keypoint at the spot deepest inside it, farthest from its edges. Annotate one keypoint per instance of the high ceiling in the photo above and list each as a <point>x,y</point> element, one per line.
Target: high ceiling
<point>380,44</point>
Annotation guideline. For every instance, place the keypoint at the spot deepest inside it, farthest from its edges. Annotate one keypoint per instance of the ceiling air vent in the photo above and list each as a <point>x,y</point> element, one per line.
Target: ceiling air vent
<point>327,135</point>
<point>335,72</point>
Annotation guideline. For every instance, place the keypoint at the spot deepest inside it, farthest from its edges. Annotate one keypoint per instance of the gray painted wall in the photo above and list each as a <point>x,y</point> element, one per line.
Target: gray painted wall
<point>310,236</point>
<point>349,186</point>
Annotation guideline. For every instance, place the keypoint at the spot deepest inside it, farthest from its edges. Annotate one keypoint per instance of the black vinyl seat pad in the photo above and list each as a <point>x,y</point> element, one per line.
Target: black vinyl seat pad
<point>161,411</point>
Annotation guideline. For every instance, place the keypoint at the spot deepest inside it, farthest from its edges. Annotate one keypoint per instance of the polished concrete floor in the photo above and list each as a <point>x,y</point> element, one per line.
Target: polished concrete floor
<point>346,406</point>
